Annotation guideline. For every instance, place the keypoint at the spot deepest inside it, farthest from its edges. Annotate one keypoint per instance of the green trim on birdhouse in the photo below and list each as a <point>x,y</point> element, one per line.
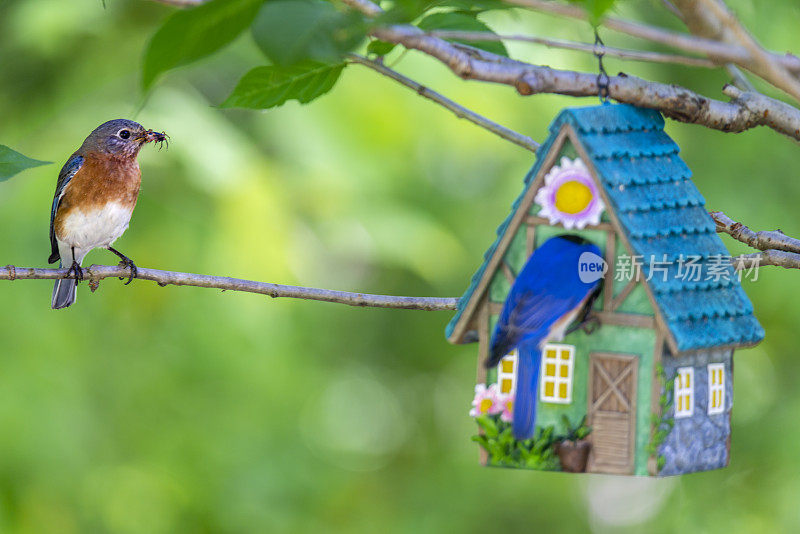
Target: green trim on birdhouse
<point>637,302</point>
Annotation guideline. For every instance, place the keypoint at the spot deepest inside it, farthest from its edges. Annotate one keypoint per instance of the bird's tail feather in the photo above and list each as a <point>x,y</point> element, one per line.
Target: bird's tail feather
<point>529,362</point>
<point>64,293</point>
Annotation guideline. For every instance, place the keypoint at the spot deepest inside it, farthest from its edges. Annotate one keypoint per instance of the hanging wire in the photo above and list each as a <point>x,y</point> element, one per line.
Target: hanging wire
<point>602,75</point>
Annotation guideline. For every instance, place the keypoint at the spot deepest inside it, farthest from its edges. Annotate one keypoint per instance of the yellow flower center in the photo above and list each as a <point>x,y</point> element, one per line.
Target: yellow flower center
<point>510,406</point>
<point>485,405</point>
<point>573,197</point>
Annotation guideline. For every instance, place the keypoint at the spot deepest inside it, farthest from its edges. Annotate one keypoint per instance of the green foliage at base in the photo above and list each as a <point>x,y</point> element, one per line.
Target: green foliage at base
<point>576,432</point>
<point>504,450</point>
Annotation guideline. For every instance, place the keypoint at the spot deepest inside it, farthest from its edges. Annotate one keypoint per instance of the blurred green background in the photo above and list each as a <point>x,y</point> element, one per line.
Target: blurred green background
<point>149,410</point>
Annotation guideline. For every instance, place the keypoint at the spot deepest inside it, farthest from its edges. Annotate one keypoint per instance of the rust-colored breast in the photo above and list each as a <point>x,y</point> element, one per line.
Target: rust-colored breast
<point>100,180</point>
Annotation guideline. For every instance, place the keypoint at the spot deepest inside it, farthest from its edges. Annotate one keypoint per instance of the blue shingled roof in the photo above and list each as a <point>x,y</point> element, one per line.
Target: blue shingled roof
<point>663,216</point>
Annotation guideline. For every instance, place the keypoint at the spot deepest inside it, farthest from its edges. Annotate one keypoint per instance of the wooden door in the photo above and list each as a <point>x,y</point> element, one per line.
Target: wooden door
<point>612,412</point>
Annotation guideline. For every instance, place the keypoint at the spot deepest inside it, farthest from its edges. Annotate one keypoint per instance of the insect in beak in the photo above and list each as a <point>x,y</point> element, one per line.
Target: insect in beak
<point>156,137</point>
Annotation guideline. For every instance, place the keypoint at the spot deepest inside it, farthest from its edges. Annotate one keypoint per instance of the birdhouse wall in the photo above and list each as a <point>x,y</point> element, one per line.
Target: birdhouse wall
<point>700,437</point>
<point>627,329</point>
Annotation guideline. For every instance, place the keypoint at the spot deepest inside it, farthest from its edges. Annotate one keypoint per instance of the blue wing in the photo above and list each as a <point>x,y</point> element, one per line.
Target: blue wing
<point>70,168</point>
<point>547,289</point>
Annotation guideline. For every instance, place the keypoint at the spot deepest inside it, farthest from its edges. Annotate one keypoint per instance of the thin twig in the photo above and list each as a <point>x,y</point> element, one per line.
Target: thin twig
<point>181,3</point>
<point>779,258</point>
<point>777,115</point>
<point>163,278</point>
<point>739,79</point>
<point>717,51</point>
<point>764,240</point>
<point>635,55</point>
<point>713,19</point>
<point>457,109</point>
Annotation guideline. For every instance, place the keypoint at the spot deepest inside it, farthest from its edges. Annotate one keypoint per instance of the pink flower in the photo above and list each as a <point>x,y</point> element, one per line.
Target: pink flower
<point>507,405</point>
<point>486,401</point>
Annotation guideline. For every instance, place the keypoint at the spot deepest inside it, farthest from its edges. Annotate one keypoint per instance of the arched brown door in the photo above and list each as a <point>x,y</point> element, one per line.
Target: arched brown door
<point>612,412</point>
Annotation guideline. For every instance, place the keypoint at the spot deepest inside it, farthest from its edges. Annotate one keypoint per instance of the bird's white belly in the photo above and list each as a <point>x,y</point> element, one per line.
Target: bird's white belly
<point>97,228</point>
<point>559,328</point>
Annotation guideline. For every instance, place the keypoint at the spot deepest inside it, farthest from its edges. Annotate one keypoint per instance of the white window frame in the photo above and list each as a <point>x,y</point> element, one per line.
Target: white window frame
<point>684,392</point>
<point>716,388</point>
<point>512,356</point>
<point>557,380</point>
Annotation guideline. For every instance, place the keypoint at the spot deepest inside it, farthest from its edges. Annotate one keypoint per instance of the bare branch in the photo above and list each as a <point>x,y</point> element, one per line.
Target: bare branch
<point>779,258</point>
<point>674,101</point>
<point>763,240</point>
<point>713,19</point>
<point>459,111</point>
<point>95,273</point>
<point>634,55</point>
<point>717,51</point>
<point>777,115</point>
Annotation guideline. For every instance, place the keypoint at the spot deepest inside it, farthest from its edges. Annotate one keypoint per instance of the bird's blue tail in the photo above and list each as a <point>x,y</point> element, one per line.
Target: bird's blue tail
<point>64,293</point>
<point>529,362</point>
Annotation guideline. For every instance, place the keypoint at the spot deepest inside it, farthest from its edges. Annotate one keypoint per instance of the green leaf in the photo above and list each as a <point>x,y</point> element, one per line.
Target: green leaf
<point>463,21</point>
<point>488,425</point>
<point>267,87</point>
<point>404,12</point>
<point>595,8</point>
<point>380,48</point>
<point>290,31</point>
<point>190,34</point>
<point>12,162</point>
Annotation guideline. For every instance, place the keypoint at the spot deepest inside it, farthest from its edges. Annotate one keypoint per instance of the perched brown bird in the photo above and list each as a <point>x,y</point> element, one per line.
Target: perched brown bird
<point>95,196</point>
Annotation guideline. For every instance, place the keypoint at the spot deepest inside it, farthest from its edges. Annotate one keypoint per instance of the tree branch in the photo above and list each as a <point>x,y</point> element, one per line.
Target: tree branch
<point>717,51</point>
<point>777,248</point>
<point>95,273</point>
<point>763,240</point>
<point>779,258</point>
<point>458,110</point>
<point>712,19</point>
<point>674,101</point>
<point>635,55</point>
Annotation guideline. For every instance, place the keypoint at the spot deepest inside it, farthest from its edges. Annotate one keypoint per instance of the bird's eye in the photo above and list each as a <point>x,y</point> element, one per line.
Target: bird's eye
<point>124,134</point>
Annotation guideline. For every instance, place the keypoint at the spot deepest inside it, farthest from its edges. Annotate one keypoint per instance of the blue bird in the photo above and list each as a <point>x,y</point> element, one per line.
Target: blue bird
<point>547,296</point>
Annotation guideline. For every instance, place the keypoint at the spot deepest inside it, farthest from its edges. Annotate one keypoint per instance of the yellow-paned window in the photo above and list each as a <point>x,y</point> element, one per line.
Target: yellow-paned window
<point>507,373</point>
<point>684,392</point>
<point>556,377</point>
<point>716,388</point>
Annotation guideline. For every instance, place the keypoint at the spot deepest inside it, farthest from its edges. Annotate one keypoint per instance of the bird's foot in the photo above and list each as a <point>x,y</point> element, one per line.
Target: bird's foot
<point>589,324</point>
<point>125,261</point>
<point>76,269</point>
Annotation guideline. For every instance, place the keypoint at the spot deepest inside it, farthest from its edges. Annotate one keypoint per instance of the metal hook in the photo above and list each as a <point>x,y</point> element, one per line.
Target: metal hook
<point>602,76</point>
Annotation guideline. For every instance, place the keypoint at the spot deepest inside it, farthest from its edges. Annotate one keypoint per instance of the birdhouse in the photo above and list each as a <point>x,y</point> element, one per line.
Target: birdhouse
<point>645,386</point>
